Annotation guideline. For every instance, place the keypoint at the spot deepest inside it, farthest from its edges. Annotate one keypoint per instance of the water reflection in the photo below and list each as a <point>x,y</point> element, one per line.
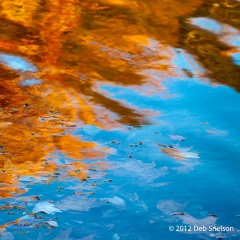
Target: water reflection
<point>34,125</point>
<point>17,63</point>
<point>58,58</point>
<point>52,72</point>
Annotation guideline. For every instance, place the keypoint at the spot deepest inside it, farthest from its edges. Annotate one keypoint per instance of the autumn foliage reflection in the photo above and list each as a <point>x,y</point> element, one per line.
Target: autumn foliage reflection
<point>78,46</point>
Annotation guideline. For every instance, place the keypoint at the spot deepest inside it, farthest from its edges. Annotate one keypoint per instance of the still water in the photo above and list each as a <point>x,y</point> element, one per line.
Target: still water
<point>119,119</point>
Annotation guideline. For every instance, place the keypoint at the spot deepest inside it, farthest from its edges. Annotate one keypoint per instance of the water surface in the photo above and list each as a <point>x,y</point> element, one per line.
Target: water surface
<point>119,119</point>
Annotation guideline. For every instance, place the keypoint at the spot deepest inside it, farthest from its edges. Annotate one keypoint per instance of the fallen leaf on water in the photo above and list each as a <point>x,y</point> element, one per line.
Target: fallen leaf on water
<point>180,153</point>
<point>45,207</point>
<point>216,132</point>
<point>115,236</point>
<point>76,203</point>
<point>177,137</point>
<point>172,152</point>
<point>116,201</point>
<point>64,235</point>
<point>52,223</point>
<point>189,155</point>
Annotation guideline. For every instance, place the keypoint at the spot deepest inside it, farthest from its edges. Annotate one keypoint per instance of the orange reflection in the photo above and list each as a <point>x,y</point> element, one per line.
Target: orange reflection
<point>32,127</point>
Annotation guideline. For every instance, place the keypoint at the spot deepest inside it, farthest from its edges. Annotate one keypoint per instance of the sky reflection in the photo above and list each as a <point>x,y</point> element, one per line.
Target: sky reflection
<point>17,63</point>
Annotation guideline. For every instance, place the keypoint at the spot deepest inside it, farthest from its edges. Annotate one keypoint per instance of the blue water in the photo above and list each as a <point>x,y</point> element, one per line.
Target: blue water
<point>143,192</point>
<point>147,188</point>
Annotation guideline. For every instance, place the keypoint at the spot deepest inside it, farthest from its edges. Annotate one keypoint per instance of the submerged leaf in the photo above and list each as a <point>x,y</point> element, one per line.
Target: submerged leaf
<point>116,201</point>
<point>76,203</point>
<point>115,236</point>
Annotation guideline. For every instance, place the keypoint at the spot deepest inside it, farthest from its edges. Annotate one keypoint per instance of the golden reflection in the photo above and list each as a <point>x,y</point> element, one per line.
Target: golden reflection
<point>77,46</point>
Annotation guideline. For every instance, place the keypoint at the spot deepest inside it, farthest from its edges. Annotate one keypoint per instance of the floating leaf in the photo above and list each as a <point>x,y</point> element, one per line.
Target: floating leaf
<point>180,153</point>
<point>52,223</point>
<point>45,207</point>
<point>177,137</point>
